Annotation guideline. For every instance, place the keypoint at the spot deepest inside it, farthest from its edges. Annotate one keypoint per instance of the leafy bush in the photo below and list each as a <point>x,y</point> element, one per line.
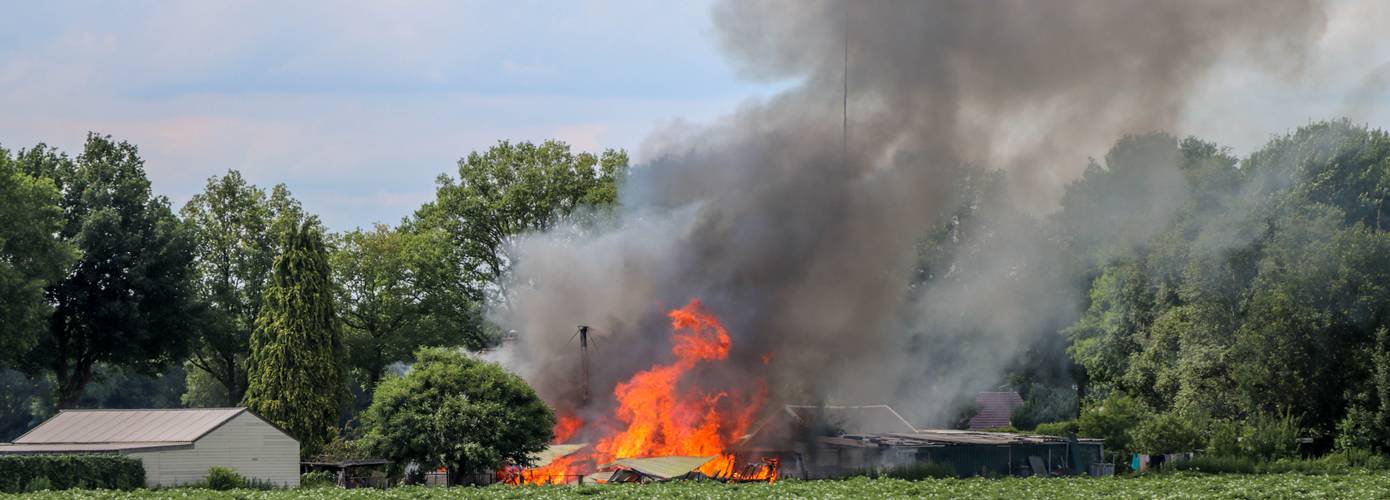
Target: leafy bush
<point>37,484</point>
<point>222,478</point>
<point>1213,464</point>
<point>1111,420</point>
<point>1270,437</point>
<point>18,473</point>
<point>1168,433</point>
<point>1359,430</point>
<point>1063,428</point>
<point>1223,439</point>
<point>317,479</point>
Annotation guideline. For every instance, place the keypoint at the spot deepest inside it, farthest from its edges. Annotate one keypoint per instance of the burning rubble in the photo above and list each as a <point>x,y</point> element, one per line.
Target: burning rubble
<point>662,412</point>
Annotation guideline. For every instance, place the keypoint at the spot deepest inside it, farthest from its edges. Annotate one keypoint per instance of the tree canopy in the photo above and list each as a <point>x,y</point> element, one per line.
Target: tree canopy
<point>31,259</point>
<point>236,227</point>
<point>450,410</point>
<point>127,301</point>
<point>295,372</point>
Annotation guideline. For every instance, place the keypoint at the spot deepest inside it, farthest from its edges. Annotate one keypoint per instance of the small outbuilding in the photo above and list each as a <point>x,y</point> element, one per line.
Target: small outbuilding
<point>176,446</point>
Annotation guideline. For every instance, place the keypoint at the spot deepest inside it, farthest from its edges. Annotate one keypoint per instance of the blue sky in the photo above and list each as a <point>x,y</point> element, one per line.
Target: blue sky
<point>358,106</point>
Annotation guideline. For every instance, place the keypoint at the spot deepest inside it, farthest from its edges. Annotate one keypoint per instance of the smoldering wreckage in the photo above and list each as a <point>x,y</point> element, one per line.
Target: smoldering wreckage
<point>796,222</point>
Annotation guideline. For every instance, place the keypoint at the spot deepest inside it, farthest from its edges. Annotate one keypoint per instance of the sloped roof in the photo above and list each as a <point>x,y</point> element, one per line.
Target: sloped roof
<point>662,467</point>
<point>861,419</point>
<point>554,451</point>
<point>7,449</point>
<point>943,437</point>
<point>128,426</point>
<point>996,409</point>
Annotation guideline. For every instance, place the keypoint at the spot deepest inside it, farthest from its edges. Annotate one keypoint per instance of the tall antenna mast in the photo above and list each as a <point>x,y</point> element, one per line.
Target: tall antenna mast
<point>844,102</point>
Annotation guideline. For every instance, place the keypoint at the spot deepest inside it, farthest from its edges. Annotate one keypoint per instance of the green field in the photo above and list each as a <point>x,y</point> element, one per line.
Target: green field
<point>1356,485</point>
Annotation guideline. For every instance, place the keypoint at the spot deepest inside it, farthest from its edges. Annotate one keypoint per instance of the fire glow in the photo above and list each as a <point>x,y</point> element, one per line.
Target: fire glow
<point>663,411</point>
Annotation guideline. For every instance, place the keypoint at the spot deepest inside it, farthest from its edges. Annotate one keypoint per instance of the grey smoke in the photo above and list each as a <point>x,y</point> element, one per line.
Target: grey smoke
<point>806,250</point>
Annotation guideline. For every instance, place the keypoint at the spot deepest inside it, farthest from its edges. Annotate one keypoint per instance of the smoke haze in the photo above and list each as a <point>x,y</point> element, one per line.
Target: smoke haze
<point>806,249</point>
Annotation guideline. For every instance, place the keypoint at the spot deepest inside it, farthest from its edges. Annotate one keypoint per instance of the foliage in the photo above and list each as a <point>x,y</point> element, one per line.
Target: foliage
<point>236,227</point>
<point>1063,428</point>
<point>1260,289</point>
<point>1270,437</point>
<point>20,473</point>
<point>296,375</point>
<point>317,479</point>
<point>127,301</point>
<point>451,410</point>
<point>510,189</point>
<point>1168,433</point>
<point>389,305</point>
<point>1111,420</point>
<point>30,257</point>
<point>1185,485</point>
<point>223,478</point>
<point>1213,464</point>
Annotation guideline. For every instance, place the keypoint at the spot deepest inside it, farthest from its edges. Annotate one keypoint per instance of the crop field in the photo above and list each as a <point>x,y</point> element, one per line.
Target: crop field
<point>1357,485</point>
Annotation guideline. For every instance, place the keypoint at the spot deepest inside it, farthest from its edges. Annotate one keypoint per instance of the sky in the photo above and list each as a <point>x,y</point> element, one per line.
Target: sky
<point>359,106</point>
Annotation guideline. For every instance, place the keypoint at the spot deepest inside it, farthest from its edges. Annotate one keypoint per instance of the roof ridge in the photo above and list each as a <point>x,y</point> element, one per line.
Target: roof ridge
<point>151,409</point>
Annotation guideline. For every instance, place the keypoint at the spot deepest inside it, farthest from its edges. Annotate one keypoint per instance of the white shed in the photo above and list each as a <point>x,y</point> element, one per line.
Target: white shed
<point>177,446</point>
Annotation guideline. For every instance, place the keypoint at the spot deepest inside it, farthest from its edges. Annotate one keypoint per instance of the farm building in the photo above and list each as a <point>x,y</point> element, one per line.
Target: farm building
<point>813,442</point>
<point>176,446</point>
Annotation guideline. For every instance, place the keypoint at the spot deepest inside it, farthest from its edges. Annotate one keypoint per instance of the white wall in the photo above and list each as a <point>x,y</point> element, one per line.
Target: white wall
<point>246,444</point>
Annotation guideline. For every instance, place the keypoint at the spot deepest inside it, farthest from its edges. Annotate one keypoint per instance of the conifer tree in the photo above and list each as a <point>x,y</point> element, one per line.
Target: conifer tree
<point>295,377</point>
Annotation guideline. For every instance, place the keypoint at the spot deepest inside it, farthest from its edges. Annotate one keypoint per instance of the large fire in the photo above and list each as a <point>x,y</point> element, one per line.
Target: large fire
<point>662,411</point>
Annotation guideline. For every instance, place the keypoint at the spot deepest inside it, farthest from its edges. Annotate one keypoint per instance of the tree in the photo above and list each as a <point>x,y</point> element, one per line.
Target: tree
<point>127,302</point>
<point>386,303</point>
<point>295,377</point>
<point>236,227</point>
<point>506,191</point>
<point>468,415</point>
<point>30,257</point>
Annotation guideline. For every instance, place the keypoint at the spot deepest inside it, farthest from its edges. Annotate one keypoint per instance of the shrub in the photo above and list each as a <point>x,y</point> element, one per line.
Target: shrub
<point>1213,464</point>
<point>317,479</point>
<point>1270,437</point>
<point>1111,420</point>
<point>1224,439</point>
<point>18,473</point>
<point>1168,433</point>
<point>222,478</point>
<point>1063,428</point>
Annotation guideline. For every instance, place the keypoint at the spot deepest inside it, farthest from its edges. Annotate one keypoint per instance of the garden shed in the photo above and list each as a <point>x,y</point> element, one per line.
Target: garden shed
<point>176,446</point>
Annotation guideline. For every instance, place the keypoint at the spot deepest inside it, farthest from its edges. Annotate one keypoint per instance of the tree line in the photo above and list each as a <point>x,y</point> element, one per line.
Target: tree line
<point>1218,299</point>
<point>112,298</point>
<point>1190,299</point>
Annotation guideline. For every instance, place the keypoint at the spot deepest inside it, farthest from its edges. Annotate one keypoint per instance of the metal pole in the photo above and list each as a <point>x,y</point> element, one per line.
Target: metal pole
<point>584,360</point>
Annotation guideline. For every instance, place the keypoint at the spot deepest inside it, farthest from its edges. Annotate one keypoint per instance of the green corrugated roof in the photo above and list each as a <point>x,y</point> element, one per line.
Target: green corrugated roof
<point>663,467</point>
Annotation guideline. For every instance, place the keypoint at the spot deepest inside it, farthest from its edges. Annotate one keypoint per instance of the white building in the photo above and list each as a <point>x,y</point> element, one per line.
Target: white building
<point>177,446</point>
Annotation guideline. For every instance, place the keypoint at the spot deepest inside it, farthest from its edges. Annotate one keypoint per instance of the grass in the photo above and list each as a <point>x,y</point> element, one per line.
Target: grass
<point>1174,485</point>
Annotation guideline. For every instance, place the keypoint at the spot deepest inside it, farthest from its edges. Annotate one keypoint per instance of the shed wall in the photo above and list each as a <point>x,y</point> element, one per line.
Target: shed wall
<point>247,444</point>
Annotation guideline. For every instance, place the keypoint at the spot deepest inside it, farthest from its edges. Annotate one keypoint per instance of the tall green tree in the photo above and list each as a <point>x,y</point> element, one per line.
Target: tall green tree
<point>454,411</point>
<point>236,227</point>
<point>388,307</point>
<point>127,302</point>
<point>31,258</point>
<point>507,190</point>
<point>296,368</point>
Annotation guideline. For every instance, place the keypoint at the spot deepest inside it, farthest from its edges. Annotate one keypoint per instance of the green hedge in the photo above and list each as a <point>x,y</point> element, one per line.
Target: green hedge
<point>20,473</point>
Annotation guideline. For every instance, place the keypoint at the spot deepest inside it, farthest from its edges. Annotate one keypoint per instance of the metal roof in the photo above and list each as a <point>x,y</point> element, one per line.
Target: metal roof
<point>13,449</point>
<point>128,426</point>
<point>944,437</point>
<point>861,419</point>
<point>662,467</point>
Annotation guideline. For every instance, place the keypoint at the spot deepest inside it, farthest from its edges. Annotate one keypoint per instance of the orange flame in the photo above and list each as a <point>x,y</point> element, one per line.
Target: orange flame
<point>566,426</point>
<point>663,412</point>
